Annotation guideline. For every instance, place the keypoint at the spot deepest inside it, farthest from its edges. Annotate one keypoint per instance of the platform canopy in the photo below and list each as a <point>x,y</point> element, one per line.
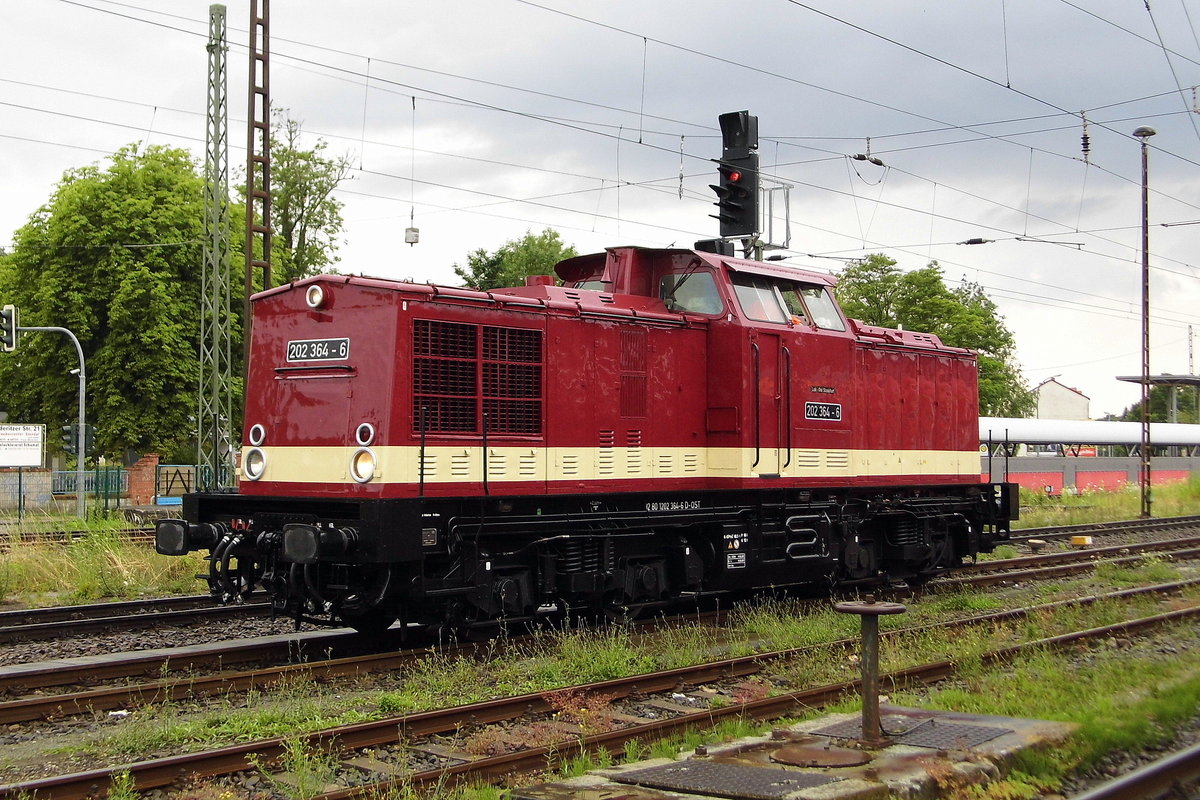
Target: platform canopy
<point>1163,380</point>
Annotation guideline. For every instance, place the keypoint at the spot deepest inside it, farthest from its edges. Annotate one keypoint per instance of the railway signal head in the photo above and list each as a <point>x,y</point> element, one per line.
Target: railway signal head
<point>70,438</point>
<point>8,328</point>
<point>737,195</point>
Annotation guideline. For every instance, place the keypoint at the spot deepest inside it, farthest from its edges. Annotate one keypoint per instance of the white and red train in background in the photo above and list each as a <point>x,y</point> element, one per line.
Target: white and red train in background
<point>1057,455</point>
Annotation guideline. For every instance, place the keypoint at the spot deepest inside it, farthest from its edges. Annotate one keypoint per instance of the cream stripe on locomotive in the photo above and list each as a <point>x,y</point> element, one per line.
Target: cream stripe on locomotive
<point>465,464</point>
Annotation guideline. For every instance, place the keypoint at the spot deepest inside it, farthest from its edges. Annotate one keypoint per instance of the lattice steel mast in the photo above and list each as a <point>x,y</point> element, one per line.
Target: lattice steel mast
<point>258,157</point>
<point>214,420</point>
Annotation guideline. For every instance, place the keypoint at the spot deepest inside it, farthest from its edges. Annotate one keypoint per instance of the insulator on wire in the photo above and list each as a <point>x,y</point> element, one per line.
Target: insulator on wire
<point>1085,140</point>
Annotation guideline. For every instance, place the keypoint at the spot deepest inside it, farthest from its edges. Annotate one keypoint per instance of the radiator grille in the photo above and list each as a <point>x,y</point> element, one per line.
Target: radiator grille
<point>466,376</point>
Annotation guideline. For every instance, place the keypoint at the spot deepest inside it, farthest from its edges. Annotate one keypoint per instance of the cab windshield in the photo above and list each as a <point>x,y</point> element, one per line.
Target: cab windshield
<point>690,291</point>
<point>770,299</point>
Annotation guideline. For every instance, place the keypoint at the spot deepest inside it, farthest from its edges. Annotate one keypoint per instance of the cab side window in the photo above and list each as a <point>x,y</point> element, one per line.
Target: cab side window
<point>690,291</point>
<point>822,308</point>
<point>758,298</point>
<point>791,299</point>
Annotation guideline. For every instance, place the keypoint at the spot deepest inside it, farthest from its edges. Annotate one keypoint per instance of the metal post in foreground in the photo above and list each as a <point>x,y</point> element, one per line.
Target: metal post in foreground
<point>871,611</point>
<point>81,452</point>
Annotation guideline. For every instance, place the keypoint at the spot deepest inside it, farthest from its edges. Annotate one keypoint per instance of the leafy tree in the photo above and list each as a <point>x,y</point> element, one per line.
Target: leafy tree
<point>113,256</point>
<point>876,292</point>
<point>306,217</point>
<point>514,261</point>
<point>1187,406</point>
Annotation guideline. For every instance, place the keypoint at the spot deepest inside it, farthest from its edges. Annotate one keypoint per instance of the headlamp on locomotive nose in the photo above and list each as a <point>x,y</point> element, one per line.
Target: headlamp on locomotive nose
<point>254,463</point>
<point>364,434</point>
<point>362,465</point>
<point>314,296</point>
<point>258,434</point>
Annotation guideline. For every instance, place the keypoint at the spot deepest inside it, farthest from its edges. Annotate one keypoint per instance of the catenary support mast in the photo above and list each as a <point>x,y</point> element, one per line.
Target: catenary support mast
<point>214,420</point>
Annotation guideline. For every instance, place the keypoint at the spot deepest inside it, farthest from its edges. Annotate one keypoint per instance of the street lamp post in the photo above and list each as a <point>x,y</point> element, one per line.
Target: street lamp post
<point>80,499</point>
<point>1143,133</point>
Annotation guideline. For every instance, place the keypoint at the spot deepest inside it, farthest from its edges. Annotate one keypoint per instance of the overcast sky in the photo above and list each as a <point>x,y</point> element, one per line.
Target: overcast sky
<point>480,120</point>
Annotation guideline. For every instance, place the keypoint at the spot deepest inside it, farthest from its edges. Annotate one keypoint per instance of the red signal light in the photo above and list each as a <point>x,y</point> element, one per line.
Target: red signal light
<point>735,176</point>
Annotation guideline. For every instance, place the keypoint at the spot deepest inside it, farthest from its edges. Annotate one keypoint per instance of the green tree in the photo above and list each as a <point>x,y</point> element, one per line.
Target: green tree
<point>1186,403</point>
<point>306,217</point>
<point>114,256</point>
<point>514,261</point>
<point>875,291</point>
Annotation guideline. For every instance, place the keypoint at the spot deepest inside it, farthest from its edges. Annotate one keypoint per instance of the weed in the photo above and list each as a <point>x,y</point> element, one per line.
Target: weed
<point>593,713</point>
<point>101,564</point>
<point>307,771</point>
<point>1004,551</point>
<point>664,748</point>
<point>122,786</point>
<point>1148,569</point>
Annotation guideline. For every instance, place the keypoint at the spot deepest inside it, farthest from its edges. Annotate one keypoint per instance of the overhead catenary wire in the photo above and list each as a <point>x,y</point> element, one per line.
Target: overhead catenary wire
<point>618,145</point>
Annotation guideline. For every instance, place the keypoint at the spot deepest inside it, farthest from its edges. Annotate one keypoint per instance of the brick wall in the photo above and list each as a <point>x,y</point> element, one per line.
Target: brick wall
<point>142,477</point>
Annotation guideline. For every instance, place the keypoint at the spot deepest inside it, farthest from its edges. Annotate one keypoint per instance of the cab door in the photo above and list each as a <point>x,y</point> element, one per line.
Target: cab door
<point>771,367</point>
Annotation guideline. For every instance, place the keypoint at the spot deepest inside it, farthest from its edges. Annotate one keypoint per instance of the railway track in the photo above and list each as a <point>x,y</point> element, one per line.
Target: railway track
<point>47,623</point>
<point>291,648</point>
<point>9,538</point>
<point>1056,565</point>
<point>1059,532</point>
<point>661,690</point>
<point>86,701</point>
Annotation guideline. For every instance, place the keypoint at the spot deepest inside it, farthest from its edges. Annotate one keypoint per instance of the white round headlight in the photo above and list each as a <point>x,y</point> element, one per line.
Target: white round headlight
<point>257,434</point>
<point>254,463</point>
<point>314,296</point>
<point>362,465</point>
<point>365,434</point>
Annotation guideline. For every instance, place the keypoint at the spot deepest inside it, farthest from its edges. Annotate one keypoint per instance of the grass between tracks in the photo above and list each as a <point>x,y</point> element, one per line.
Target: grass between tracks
<point>1176,499</point>
<point>1122,696</point>
<point>102,564</point>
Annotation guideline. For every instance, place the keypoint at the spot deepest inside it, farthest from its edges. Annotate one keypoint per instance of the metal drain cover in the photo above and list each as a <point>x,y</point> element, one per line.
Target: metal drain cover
<point>808,755</point>
<point>932,733</point>
<point>725,780</point>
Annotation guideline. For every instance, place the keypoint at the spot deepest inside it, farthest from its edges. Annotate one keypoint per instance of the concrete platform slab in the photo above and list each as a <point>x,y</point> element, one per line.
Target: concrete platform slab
<point>929,753</point>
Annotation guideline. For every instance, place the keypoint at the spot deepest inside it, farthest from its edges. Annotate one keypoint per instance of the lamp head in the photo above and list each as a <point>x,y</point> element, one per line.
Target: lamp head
<point>1144,132</point>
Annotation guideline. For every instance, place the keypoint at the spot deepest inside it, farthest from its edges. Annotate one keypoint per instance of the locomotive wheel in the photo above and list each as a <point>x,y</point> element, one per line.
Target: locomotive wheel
<point>940,558</point>
<point>859,560</point>
<point>467,623</point>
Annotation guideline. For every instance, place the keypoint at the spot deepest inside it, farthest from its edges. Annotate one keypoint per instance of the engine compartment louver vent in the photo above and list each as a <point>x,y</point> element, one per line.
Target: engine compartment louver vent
<point>466,377</point>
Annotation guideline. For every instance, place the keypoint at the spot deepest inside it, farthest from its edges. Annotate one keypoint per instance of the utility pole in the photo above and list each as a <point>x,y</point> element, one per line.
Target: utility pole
<point>214,420</point>
<point>258,161</point>
<point>1143,133</point>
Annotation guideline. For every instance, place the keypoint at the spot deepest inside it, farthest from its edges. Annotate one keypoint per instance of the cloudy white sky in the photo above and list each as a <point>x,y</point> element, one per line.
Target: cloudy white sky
<point>483,119</point>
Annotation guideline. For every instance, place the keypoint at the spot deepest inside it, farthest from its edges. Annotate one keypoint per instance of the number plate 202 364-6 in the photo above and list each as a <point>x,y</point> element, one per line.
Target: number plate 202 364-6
<point>318,349</point>
<point>826,411</point>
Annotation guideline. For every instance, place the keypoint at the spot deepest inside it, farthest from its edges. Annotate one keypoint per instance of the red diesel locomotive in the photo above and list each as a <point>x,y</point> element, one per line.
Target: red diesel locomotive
<point>664,424</point>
